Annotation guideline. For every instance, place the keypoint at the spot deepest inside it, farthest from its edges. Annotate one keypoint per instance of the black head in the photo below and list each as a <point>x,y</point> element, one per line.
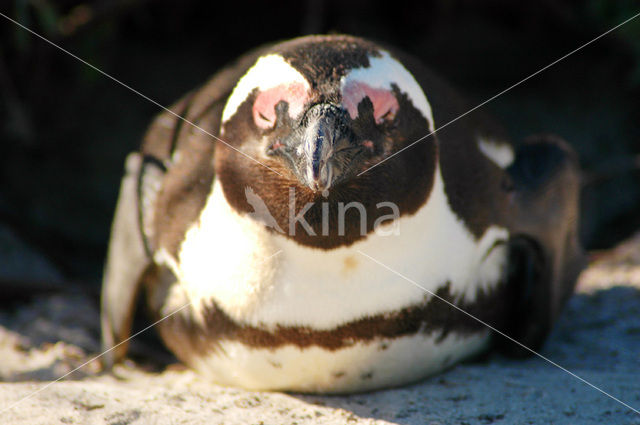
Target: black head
<point>325,108</point>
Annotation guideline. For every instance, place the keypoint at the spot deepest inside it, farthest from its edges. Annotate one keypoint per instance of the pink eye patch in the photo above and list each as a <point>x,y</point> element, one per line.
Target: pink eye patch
<point>385,104</point>
<point>264,112</point>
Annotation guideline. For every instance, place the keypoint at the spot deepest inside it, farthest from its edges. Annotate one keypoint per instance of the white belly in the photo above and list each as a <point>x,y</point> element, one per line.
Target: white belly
<point>362,367</point>
<point>262,279</point>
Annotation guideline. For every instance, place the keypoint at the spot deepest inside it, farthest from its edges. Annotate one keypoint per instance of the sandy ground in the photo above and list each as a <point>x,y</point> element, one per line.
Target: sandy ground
<point>597,338</point>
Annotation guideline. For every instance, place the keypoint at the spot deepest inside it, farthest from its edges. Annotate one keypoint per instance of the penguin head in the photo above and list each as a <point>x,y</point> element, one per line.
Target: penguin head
<point>325,109</point>
<point>324,116</point>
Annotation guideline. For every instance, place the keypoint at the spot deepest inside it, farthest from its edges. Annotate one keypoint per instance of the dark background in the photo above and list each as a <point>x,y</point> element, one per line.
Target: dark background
<point>65,129</point>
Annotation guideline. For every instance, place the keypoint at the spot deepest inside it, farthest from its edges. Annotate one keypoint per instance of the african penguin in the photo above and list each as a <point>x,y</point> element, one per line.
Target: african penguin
<point>264,239</point>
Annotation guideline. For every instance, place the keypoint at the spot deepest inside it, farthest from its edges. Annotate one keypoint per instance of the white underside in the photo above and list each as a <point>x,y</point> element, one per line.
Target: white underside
<point>360,367</point>
<point>263,279</point>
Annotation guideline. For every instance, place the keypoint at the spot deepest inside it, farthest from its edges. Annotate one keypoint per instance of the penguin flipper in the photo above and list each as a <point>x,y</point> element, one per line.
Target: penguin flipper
<point>127,260</point>
<point>145,198</point>
<point>545,256</point>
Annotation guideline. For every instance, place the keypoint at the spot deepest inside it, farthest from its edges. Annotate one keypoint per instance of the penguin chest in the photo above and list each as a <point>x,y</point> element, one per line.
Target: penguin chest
<point>278,315</point>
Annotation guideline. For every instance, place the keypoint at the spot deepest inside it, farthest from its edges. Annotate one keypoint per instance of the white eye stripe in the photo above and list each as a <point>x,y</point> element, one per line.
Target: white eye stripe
<point>385,71</point>
<point>268,72</point>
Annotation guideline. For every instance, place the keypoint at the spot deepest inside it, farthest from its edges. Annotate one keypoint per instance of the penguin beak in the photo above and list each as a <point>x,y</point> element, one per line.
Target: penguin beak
<point>317,146</point>
<point>317,154</point>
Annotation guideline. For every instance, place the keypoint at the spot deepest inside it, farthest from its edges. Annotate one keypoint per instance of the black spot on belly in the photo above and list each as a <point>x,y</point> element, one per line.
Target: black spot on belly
<point>443,335</point>
<point>275,364</point>
<point>383,346</point>
<point>366,376</point>
<point>338,374</point>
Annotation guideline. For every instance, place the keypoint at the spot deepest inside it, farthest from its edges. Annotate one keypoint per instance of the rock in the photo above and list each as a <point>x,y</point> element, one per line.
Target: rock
<point>619,266</point>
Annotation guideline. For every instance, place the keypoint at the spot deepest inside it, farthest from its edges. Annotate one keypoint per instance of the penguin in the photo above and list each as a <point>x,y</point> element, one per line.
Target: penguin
<point>252,225</point>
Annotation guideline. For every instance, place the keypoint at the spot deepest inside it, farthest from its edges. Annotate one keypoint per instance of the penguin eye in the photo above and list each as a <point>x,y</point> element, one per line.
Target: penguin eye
<point>262,117</point>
